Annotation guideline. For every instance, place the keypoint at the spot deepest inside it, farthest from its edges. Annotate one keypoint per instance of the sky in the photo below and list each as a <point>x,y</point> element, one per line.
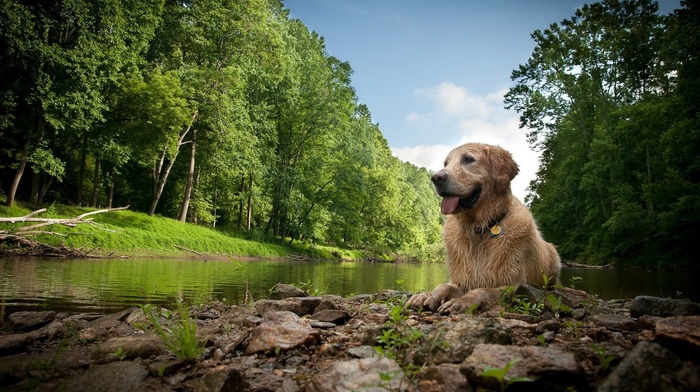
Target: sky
<point>433,73</point>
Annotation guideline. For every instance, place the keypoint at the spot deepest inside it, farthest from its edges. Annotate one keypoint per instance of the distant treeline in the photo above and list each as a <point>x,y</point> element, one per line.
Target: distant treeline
<point>222,113</point>
<point>611,97</point>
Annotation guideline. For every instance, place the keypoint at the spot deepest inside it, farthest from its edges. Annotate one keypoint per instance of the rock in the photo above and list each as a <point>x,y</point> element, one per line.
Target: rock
<point>572,297</point>
<point>534,294</point>
<point>663,307</point>
<point>681,334</point>
<point>112,320</point>
<point>369,374</point>
<point>282,291</point>
<point>137,318</point>
<point>461,337</point>
<point>301,306</point>
<point>220,379</point>
<point>543,365</point>
<point>325,304</point>
<point>138,346</point>
<point>651,367</point>
<point>363,352</point>
<point>548,325</point>
<point>10,344</point>
<point>332,316</point>
<point>443,378</point>
<point>281,330</point>
<point>111,377</point>
<point>27,321</point>
<point>615,321</point>
<point>166,369</point>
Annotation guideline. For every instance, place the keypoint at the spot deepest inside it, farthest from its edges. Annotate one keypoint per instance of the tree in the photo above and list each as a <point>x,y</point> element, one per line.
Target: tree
<point>65,54</point>
<point>597,97</point>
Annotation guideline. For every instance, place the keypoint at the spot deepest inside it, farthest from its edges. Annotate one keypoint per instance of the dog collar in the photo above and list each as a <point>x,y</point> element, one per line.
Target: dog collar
<point>495,229</point>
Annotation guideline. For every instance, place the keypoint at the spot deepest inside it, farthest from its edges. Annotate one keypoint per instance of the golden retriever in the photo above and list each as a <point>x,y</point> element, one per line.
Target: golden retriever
<point>490,237</point>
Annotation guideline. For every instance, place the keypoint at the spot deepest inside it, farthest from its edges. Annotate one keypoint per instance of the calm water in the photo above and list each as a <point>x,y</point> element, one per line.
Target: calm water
<point>108,285</point>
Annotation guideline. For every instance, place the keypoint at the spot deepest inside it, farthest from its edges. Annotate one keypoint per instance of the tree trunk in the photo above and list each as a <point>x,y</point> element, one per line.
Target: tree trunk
<point>250,202</point>
<point>44,189</point>
<point>160,175</point>
<point>110,194</point>
<point>95,182</point>
<point>81,171</point>
<point>190,179</point>
<point>18,176</point>
<point>240,203</point>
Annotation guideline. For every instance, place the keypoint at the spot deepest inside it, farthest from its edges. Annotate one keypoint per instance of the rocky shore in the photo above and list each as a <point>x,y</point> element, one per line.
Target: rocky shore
<point>563,340</point>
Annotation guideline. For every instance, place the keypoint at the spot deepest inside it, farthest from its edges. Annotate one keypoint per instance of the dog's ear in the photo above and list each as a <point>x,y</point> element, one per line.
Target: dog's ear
<point>504,168</point>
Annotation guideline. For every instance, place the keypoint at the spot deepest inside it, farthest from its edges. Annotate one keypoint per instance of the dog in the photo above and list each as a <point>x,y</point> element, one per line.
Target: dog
<point>491,238</point>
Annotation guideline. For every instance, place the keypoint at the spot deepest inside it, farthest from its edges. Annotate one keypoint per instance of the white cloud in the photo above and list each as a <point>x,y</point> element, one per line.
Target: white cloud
<point>474,118</point>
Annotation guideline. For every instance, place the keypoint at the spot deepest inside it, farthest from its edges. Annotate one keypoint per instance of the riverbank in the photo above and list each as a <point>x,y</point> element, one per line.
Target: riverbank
<point>531,340</point>
<point>124,233</point>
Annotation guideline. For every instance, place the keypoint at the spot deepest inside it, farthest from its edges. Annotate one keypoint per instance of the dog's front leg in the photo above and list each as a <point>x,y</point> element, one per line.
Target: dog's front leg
<point>435,298</point>
<point>476,299</point>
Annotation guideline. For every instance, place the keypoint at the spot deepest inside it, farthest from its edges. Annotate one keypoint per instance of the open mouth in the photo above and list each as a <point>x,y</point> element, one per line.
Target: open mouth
<point>451,204</point>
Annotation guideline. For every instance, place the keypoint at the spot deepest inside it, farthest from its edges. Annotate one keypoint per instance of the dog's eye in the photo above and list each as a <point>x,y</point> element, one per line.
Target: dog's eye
<point>444,164</point>
<point>466,159</point>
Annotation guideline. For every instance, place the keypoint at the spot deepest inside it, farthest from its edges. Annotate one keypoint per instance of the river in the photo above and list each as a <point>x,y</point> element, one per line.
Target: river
<point>106,285</point>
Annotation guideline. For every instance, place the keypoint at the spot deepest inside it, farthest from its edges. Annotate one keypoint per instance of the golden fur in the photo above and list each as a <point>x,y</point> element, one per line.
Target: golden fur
<point>478,176</point>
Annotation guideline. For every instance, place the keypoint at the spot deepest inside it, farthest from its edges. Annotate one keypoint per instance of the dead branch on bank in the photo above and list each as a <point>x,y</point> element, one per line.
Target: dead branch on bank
<point>16,242</point>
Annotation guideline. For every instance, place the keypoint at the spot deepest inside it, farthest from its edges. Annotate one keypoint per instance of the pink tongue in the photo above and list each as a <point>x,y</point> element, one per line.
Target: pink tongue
<point>449,204</point>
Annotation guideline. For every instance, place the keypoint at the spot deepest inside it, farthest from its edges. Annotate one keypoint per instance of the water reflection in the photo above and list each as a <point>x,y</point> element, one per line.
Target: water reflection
<point>107,285</point>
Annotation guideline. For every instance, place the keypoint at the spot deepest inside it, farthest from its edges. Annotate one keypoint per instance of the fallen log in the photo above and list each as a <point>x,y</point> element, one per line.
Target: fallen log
<point>16,242</point>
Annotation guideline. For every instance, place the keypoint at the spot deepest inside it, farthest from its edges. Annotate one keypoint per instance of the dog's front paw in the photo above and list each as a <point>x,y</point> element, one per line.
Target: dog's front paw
<point>457,305</point>
<point>474,299</point>
<point>424,300</point>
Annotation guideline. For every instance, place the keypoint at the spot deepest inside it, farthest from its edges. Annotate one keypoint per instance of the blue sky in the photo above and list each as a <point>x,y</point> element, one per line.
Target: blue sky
<point>433,73</point>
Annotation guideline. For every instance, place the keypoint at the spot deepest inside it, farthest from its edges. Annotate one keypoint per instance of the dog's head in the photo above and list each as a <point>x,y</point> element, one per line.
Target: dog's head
<point>472,172</point>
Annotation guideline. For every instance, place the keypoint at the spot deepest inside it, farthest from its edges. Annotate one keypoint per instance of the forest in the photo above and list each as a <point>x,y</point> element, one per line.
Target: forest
<point>233,115</point>
<point>610,98</point>
<point>221,113</point>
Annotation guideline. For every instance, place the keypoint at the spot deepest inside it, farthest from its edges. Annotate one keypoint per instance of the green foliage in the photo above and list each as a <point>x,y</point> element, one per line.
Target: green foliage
<point>609,98</point>
<point>397,340</point>
<point>276,144</point>
<point>555,303</point>
<point>515,303</point>
<point>604,358</point>
<point>500,374</point>
<point>181,335</point>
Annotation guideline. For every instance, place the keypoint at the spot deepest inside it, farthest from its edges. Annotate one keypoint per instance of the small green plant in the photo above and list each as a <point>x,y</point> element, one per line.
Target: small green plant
<point>398,340</point>
<point>556,304</point>
<point>310,288</point>
<point>120,353</point>
<point>574,280</point>
<point>512,303</point>
<point>500,374</point>
<point>604,358</point>
<point>181,337</point>
<point>541,339</point>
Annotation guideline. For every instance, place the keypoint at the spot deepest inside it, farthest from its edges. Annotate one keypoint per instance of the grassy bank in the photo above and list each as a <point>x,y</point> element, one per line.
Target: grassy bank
<point>132,233</point>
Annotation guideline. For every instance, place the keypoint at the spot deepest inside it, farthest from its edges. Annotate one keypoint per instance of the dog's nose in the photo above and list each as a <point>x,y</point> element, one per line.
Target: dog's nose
<point>439,177</point>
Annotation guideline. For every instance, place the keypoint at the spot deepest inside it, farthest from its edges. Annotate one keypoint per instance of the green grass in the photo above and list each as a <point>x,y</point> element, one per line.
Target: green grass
<point>137,234</point>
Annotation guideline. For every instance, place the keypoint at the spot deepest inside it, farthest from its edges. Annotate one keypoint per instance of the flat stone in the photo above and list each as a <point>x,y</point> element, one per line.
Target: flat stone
<point>332,316</point>
<point>111,377</point>
<point>651,367</point>
<point>27,321</point>
<point>222,378</point>
<point>443,378</point>
<point>615,321</point>
<point>551,364</point>
<point>662,307</point>
<point>138,346</point>
<point>10,344</point>
<point>282,291</point>
<point>681,334</point>
<point>369,374</point>
<point>281,331</point>
<point>301,306</point>
<point>363,352</point>
<point>461,337</point>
